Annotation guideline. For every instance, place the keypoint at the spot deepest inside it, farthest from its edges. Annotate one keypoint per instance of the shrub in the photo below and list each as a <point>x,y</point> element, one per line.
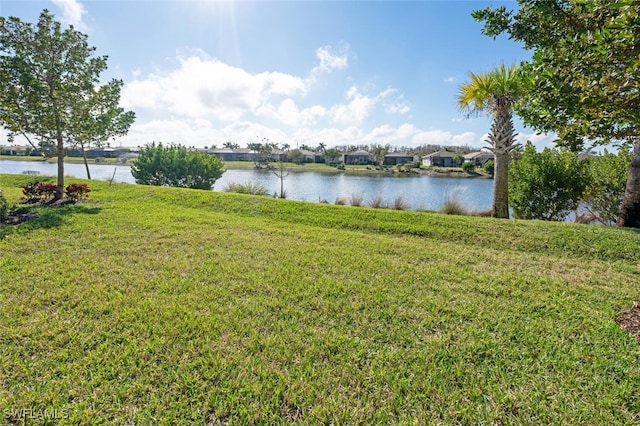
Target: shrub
<point>4,206</point>
<point>453,205</point>
<point>377,202</point>
<point>399,203</point>
<point>77,191</point>
<point>175,165</point>
<point>341,200</point>
<point>607,182</point>
<point>489,166</point>
<point>546,185</point>
<point>36,191</point>
<point>250,187</point>
<point>468,167</point>
<point>356,200</point>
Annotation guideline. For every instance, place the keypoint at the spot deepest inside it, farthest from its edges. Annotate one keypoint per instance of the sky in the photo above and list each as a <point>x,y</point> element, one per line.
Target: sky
<point>202,73</point>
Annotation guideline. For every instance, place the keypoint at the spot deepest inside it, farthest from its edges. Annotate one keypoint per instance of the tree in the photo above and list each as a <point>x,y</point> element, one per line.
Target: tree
<point>296,156</point>
<point>607,179</point>
<point>495,92</point>
<point>175,165</point>
<point>378,152</point>
<point>468,167</point>
<point>546,185</point>
<point>583,79</point>
<point>50,92</point>
<point>331,155</point>
<point>230,145</point>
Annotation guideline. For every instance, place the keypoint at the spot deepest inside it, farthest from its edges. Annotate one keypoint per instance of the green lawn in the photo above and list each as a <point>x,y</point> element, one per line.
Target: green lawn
<point>152,305</point>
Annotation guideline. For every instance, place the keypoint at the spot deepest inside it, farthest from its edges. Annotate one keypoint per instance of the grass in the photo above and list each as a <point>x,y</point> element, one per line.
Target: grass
<point>249,187</point>
<point>155,305</point>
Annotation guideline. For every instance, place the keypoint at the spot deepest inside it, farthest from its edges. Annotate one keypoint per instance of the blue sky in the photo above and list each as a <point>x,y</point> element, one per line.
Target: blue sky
<point>201,73</point>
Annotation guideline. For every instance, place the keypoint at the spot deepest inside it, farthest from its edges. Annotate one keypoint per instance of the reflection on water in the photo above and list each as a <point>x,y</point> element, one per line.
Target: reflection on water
<point>419,192</point>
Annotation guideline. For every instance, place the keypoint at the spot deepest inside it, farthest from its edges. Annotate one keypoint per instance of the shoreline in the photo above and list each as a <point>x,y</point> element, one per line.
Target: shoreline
<point>392,171</point>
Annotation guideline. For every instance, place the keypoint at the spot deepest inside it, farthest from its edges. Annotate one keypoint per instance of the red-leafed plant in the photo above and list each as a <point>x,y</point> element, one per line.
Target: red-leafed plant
<point>77,191</point>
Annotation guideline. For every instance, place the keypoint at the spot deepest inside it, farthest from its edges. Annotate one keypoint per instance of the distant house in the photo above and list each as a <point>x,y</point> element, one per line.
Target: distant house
<point>399,158</point>
<point>14,150</point>
<point>478,158</point>
<point>225,154</point>
<point>107,152</point>
<point>246,154</point>
<point>310,156</point>
<point>442,159</point>
<point>357,157</point>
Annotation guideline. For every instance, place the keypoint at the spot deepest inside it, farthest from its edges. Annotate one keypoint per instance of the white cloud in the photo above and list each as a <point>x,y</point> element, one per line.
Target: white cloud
<point>330,59</point>
<point>72,13</point>
<point>540,141</point>
<point>203,87</point>
<point>450,80</point>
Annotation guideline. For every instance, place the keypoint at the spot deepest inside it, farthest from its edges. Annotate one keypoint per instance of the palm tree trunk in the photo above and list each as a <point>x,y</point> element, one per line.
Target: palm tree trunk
<point>500,207</point>
<point>630,211</point>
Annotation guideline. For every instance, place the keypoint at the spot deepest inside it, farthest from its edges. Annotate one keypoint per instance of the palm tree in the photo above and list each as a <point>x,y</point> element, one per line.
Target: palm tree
<point>495,93</point>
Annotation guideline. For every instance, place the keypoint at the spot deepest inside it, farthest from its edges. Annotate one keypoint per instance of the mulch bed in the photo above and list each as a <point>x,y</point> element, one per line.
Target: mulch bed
<point>19,216</point>
<point>16,217</point>
<point>630,320</point>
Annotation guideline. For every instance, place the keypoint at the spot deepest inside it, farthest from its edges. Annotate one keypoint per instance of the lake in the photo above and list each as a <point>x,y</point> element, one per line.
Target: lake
<point>419,191</point>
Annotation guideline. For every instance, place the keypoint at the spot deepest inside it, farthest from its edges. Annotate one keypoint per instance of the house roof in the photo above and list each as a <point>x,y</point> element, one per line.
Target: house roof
<point>359,152</point>
<point>478,154</point>
<point>441,154</point>
<point>398,154</point>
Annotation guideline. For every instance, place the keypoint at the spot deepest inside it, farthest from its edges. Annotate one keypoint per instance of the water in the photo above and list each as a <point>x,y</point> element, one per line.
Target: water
<point>419,192</point>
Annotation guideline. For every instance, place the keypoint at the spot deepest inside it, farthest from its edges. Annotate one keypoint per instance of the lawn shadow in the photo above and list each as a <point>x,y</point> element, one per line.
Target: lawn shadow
<point>29,218</point>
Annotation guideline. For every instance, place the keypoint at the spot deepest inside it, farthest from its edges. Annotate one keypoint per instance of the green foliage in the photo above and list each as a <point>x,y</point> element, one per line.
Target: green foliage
<point>51,88</point>
<point>296,156</point>
<point>583,79</point>
<point>468,167</point>
<point>175,165</point>
<point>608,178</point>
<point>331,155</point>
<point>489,166</point>
<point>250,187</point>
<point>4,206</point>
<point>547,185</point>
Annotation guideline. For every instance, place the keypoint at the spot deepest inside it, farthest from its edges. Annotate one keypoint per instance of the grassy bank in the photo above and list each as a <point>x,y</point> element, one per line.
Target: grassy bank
<point>155,305</point>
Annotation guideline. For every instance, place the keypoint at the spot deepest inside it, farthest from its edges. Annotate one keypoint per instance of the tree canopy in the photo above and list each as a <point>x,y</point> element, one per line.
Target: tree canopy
<point>583,79</point>
<point>175,165</point>
<point>50,91</point>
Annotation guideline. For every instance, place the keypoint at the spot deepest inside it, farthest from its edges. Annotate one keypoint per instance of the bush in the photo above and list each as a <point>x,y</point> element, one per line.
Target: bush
<point>605,191</point>
<point>468,167</point>
<point>77,191</point>
<point>489,166</point>
<point>453,205</point>
<point>250,187</point>
<point>4,206</point>
<point>546,185</point>
<point>175,165</point>
<point>356,200</point>
<point>377,202</point>
<point>36,191</point>
<point>399,203</point>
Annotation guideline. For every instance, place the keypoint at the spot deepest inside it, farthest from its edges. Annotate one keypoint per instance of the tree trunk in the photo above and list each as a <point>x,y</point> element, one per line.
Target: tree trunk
<point>630,211</point>
<point>60,187</point>
<point>86,165</point>
<point>500,207</point>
